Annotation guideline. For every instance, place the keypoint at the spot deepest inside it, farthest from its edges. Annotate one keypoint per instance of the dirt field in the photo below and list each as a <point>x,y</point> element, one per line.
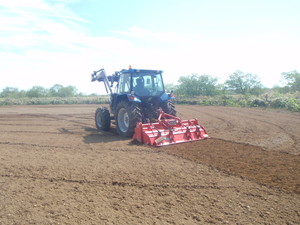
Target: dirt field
<point>55,168</point>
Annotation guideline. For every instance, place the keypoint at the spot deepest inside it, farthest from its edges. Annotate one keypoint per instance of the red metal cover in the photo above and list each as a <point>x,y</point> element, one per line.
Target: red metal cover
<point>169,131</point>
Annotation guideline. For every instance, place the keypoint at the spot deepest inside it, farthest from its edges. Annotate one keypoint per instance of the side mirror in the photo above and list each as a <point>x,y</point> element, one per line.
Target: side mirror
<point>172,94</point>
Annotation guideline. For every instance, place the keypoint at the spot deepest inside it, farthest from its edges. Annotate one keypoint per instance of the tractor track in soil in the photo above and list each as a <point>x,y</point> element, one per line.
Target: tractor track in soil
<point>119,183</point>
<point>259,117</point>
<point>265,120</point>
<point>56,168</point>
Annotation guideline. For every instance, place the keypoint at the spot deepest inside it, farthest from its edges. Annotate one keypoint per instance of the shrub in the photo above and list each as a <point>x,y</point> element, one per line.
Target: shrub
<point>278,103</point>
<point>293,104</point>
<point>258,103</point>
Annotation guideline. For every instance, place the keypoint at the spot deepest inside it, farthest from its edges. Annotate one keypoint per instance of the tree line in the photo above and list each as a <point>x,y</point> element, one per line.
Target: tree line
<point>189,86</point>
<point>56,90</point>
<point>237,83</point>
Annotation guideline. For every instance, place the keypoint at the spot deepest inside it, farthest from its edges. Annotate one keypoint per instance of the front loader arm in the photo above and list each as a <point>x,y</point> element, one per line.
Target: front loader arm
<point>100,75</point>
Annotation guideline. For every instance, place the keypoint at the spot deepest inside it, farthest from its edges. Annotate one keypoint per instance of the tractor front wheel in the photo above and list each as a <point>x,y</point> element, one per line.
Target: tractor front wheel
<point>102,119</point>
<point>128,115</point>
<point>168,107</point>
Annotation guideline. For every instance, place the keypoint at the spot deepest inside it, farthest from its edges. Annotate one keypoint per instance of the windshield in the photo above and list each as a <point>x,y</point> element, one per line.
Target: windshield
<point>147,84</point>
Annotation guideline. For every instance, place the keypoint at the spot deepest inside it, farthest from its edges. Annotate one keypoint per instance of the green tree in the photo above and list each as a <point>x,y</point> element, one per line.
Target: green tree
<point>207,85</point>
<point>281,90</point>
<point>68,91</point>
<point>59,90</point>
<point>195,85</point>
<point>187,85</point>
<point>244,83</point>
<point>11,92</point>
<point>292,79</point>
<point>36,92</point>
<point>54,90</point>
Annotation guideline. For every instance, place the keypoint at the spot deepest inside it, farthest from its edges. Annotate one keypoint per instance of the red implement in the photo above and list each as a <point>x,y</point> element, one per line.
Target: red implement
<point>169,130</point>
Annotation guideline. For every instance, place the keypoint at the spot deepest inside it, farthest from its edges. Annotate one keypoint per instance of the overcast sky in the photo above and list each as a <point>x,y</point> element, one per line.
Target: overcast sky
<point>45,42</point>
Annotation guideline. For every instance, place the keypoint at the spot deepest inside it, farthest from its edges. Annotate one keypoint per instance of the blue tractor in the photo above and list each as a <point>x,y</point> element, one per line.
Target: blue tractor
<point>136,95</point>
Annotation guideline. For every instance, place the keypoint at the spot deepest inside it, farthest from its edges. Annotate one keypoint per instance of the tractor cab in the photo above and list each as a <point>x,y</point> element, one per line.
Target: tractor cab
<point>142,83</point>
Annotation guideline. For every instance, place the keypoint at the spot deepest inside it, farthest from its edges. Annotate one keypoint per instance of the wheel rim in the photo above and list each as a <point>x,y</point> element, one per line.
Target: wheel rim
<point>98,120</point>
<point>123,120</point>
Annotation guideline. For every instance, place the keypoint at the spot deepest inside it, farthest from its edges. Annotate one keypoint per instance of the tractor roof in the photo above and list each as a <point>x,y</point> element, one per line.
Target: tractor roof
<point>141,71</point>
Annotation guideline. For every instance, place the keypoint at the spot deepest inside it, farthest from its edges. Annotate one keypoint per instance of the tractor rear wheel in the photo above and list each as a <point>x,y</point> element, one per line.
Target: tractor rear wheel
<point>168,107</point>
<point>102,119</point>
<point>127,116</point>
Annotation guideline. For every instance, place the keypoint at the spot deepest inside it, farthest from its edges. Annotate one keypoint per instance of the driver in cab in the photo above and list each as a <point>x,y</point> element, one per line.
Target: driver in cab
<point>140,89</point>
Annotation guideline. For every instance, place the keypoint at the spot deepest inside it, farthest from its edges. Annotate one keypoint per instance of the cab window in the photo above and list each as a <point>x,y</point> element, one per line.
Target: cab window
<point>124,83</point>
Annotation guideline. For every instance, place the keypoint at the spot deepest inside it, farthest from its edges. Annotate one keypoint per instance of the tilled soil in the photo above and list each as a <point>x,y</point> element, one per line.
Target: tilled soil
<point>56,168</point>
